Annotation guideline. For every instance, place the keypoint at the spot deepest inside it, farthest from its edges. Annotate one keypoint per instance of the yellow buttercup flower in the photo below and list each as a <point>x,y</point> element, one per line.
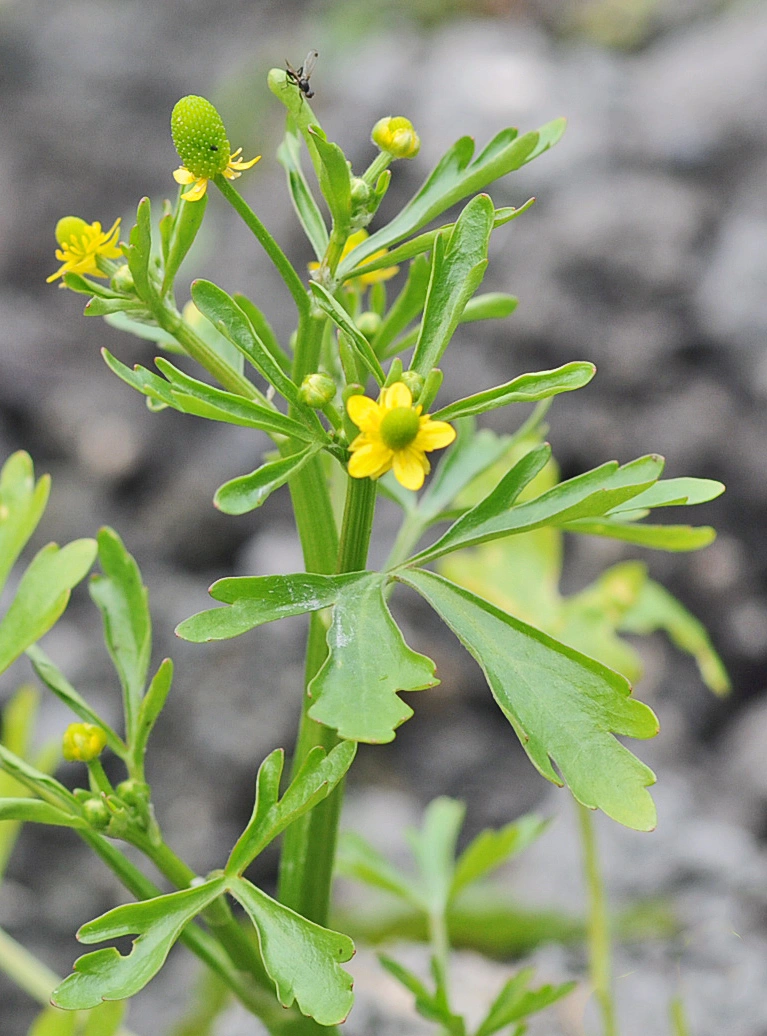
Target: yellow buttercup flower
<point>234,168</point>
<point>394,434</point>
<point>365,279</point>
<point>81,246</point>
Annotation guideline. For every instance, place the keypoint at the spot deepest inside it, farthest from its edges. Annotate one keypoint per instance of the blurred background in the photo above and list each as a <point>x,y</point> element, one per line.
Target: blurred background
<point>646,252</point>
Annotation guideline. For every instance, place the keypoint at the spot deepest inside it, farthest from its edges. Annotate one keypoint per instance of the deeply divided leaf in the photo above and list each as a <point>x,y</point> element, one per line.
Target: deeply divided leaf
<point>565,708</point>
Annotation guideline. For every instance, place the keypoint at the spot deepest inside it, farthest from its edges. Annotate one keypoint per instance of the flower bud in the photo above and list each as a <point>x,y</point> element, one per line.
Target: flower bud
<point>83,742</point>
<point>317,390</point>
<point>133,793</point>
<point>414,382</point>
<point>368,323</point>
<point>97,813</point>
<point>200,136</point>
<point>360,191</point>
<point>122,280</point>
<point>395,134</point>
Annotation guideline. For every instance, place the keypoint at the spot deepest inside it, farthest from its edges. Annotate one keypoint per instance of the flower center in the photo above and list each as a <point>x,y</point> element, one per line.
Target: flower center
<point>399,427</point>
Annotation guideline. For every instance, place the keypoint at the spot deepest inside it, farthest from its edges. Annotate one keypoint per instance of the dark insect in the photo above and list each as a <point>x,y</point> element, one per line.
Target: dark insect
<point>300,76</point>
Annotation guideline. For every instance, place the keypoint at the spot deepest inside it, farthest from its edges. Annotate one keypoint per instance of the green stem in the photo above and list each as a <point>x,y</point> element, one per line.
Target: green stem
<point>281,262</point>
<point>31,975</point>
<point>306,868</point>
<point>598,923</point>
<point>380,164</point>
<point>99,781</point>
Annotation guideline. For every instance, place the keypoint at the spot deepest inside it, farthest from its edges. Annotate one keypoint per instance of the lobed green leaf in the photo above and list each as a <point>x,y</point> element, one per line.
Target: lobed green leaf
<point>516,1001</point>
<point>247,492</point>
<point>356,858</point>
<point>334,177</point>
<point>151,706</point>
<point>656,537</point>
<point>368,663</point>
<point>188,220</point>
<point>22,503</point>
<point>138,251</point>
<point>491,848</point>
<point>344,322</point>
<point>563,706</point>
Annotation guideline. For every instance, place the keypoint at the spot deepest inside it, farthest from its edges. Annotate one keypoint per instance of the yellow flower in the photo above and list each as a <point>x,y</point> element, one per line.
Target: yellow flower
<point>234,168</point>
<point>83,742</point>
<point>395,135</point>
<point>81,246</point>
<point>365,279</point>
<point>393,434</point>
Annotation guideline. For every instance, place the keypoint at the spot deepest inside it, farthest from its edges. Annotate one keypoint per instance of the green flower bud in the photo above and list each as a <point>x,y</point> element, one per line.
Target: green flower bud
<point>414,382</point>
<point>360,191</point>
<point>83,742</point>
<point>97,813</point>
<point>133,793</point>
<point>122,280</point>
<point>395,135</point>
<point>200,137</point>
<point>368,323</point>
<point>317,390</point>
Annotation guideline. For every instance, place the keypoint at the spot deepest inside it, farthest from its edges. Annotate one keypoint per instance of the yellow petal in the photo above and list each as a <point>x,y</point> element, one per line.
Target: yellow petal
<point>396,395</point>
<point>433,435</point>
<point>365,413</point>
<point>182,175</point>
<point>371,461</point>
<point>410,467</point>
<point>196,192</point>
<point>240,163</point>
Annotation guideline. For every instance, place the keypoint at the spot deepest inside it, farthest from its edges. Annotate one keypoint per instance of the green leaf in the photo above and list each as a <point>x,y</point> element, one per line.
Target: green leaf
<point>656,537</point>
<point>255,600</point>
<point>458,266</point>
<point>105,974</point>
<point>139,249</point>
<point>82,286</point>
<point>318,775</point>
<point>656,609</point>
<point>123,601</point>
<point>591,494</point>
<point>405,307</point>
<point>199,324</point>
<point>525,389</point>
<point>434,851</point>
<point>35,811</point>
<point>263,328</point>
<point>515,1001</point>
<point>247,492</point>
<point>494,305</point>
<point>39,783</point>
<point>185,227</point>
<point>563,706</point>
<point>425,242</point>
<point>148,384</point>
<point>334,177</point>
<point>342,320</point>
<point>679,1026</point>
<point>429,1005</point>
<point>367,665</point>
<point>301,958</point>
<point>456,177</point>
<point>55,681</point>
<point>357,859</point>
<point>98,307</point>
<point>491,848</point>
<point>152,705</point>
<point>18,721</point>
<point>309,215</point>
<point>53,1022</point>
<point>203,400</point>
<point>22,503</point>
<point>227,317</point>
<point>42,596</point>
<point>675,491</point>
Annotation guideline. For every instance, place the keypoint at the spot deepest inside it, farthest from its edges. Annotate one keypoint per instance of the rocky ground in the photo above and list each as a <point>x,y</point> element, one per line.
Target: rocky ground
<point>645,253</point>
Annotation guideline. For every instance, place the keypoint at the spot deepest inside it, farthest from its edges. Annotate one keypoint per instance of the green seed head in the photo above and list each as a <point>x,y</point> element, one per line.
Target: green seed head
<point>69,227</point>
<point>399,427</point>
<point>200,136</point>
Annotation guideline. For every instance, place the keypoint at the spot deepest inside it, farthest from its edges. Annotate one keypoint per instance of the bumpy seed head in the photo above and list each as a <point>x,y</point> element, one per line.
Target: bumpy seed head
<point>200,137</point>
<point>399,427</point>
<point>71,228</point>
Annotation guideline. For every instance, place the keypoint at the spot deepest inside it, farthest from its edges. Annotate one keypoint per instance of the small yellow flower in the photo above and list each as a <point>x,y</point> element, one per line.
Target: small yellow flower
<point>81,246</point>
<point>234,168</point>
<point>396,135</point>
<point>83,742</point>
<point>365,279</point>
<point>393,434</point>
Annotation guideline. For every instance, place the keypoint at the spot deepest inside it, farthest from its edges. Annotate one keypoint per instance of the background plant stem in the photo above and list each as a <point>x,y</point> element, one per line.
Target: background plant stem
<point>600,953</point>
